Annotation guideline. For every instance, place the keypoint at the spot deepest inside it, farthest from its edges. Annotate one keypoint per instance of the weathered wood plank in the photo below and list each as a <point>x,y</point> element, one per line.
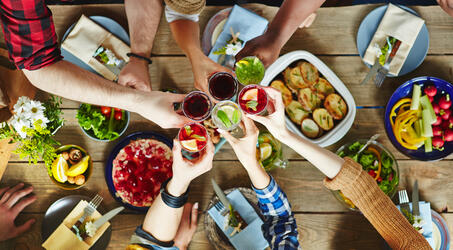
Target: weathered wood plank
<point>301,181</point>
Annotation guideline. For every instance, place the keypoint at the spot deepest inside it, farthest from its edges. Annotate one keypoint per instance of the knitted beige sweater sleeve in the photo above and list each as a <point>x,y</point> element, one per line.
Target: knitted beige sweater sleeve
<point>188,7</point>
<point>377,207</point>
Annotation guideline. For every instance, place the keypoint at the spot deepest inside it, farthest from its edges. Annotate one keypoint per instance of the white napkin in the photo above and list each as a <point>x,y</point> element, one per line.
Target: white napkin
<point>401,25</point>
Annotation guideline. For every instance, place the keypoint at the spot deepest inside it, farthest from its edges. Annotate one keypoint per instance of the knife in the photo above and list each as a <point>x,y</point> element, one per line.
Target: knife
<point>373,71</point>
<point>415,200</point>
<point>218,191</point>
<point>106,217</point>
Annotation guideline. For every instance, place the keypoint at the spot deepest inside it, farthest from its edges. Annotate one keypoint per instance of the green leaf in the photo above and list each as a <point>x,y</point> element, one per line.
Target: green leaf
<point>188,130</point>
<point>236,116</point>
<point>252,105</point>
<point>198,137</point>
<point>224,118</point>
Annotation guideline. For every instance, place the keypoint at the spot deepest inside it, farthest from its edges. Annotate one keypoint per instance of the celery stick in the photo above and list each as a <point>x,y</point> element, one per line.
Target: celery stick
<point>419,127</point>
<point>416,93</point>
<point>426,105</point>
<point>427,129</point>
<point>428,145</point>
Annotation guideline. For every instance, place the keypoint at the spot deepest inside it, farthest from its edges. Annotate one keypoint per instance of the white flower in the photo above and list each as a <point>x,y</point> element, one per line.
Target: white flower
<point>19,106</point>
<point>19,124</point>
<point>90,228</point>
<point>378,50</point>
<point>233,49</point>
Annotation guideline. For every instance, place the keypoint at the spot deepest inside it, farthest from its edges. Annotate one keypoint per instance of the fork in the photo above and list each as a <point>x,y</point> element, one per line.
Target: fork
<point>384,70</point>
<point>404,200</point>
<point>91,207</point>
<point>221,208</point>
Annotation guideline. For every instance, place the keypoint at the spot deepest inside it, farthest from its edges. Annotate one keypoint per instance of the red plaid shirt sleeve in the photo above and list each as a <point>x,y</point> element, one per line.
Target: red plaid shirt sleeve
<point>29,33</point>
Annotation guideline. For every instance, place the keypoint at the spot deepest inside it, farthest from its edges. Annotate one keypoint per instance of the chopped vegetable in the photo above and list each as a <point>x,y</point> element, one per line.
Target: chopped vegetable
<point>416,93</point>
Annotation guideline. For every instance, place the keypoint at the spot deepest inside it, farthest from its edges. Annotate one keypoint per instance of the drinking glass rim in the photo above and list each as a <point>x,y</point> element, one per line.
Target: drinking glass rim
<point>248,57</point>
<point>190,94</point>
<point>196,124</point>
<point>249,87</point>
<point>236,84</point>
<point>227,102</point>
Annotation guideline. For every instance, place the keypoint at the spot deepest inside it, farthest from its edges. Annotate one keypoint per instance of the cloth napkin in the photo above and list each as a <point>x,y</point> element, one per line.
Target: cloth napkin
<point>247,23</point>
<point>86,37</point>
<point>401,25</point>
<point>249,238</point>
<point>425,213</point>
<point>64,238</point>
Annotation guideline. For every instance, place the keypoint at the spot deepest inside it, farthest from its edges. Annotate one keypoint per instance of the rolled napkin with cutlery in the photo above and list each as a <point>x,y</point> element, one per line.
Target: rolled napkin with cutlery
<point>95,46</point>
<point>251,237</point>
<point>64,238</point>
<point>401,25</point>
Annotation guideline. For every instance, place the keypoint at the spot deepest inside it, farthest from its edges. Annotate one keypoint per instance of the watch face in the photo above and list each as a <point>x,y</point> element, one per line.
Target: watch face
<point>139,170</point>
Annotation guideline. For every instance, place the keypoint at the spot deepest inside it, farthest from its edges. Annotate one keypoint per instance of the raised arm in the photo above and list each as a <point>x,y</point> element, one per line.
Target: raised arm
<point>143,17</point>
<point>163,219</point>
<point>289,17</point>
<point>347,176</point>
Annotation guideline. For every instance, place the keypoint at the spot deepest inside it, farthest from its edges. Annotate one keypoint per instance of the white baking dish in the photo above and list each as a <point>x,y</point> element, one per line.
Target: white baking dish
<point>334,135</point>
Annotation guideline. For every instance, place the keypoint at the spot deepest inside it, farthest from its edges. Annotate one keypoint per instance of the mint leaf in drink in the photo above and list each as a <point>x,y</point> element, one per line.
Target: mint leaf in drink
<point>236,116</point>
<point>252,105</point>
<point>198,137</point>
<point>224,118</point>
<point>188,130</point>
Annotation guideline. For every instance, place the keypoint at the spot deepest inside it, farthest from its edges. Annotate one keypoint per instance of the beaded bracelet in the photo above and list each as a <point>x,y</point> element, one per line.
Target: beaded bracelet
<point>170,200</point>
<point>139,57</point>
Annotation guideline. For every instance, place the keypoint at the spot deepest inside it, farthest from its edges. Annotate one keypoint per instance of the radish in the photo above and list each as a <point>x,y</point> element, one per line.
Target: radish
<point>437,131</point>
<point>448,135</point>
<point>445,125</point>
<point>438,121</point>
<point>445,102</point>
<point>436,108</point>
<point>430,90</point>
<point>445,114</point>
<point>431,98</point>
<point>438,142</point>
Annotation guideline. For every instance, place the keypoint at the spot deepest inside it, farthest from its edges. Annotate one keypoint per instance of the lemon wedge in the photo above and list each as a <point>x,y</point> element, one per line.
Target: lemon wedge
<point>190,145</point>
<point>59,168</point>
<point>79,168</point>
<point>250,95</point>
<point>265,151</point>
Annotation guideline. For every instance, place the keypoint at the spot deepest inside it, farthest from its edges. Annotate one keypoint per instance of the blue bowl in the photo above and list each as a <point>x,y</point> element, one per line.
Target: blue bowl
<point>123,143</point>
<point>403,91</point>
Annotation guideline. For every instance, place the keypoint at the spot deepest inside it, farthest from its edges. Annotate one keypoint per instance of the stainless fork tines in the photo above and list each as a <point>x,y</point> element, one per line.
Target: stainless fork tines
<point>221,208</point>
<point>91,207</point>
<point>404,200</point>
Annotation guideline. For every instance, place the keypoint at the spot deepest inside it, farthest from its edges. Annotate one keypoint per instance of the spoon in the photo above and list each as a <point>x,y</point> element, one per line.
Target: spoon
<point>373,138</point>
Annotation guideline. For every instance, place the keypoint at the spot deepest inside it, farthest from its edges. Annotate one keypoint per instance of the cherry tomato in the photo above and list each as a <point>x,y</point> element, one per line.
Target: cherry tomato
<point>106,110</point>
<point>117,109</point>
<point>379,179</point>
<point>448,135</point>
<point>431,90</point>
<point>118,115</point>
<point>445,102</point>
<point>436,108</point>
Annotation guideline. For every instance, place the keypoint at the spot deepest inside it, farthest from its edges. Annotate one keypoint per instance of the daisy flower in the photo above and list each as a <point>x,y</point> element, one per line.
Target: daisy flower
<point>21,102</point>
<point>233,49</point>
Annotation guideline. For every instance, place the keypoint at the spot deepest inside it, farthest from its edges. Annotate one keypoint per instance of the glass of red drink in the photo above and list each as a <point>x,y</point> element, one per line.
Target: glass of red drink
<point>193,137</point>
<point>222,86</point>
<point>253,99</point>
<point>197,106</point>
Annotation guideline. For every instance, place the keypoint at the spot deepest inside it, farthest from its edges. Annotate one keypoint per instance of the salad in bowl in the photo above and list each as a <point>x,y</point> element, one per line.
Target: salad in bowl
<point>377,161</point>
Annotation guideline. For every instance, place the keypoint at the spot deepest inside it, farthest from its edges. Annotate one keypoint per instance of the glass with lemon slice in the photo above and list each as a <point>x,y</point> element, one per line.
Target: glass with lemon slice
<point>249,70</point>
<point>193,137</point>
<point>226,115</point>
<point>269,152</point>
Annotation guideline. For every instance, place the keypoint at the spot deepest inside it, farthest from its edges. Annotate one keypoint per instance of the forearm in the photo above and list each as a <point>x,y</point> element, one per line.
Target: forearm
<point>143,17</point>
<point>326,161</point>
<point>258,176</point>
<point>162,221</point>
<point>290,15</point>
<point>187,35</point>
<point>69,81</point>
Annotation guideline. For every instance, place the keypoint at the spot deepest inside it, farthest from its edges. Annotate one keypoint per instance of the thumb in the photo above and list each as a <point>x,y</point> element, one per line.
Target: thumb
<point>261,119</point>
<point>24,227</point>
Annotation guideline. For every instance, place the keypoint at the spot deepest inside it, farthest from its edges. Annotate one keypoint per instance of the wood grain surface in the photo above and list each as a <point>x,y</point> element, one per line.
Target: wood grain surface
<point>323,222</point>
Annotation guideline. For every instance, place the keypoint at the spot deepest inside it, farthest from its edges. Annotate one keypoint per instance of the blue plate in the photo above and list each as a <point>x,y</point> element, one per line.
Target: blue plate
<point>443,229</point>
<point>369,26</point>
<point>403,91</point>
<point>108,24</point>
<point>123,143</point>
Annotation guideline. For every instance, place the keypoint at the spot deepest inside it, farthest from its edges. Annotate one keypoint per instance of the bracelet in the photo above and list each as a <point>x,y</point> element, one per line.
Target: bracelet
<point>170,200</point>
<point>130,54</point>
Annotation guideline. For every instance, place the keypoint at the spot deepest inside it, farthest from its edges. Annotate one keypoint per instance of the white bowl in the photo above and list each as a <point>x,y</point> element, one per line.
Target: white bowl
<point>334,135</point>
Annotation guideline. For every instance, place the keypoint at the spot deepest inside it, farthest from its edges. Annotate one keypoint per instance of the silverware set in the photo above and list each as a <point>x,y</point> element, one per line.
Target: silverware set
<point>91,207</point>
<point>404,200</point>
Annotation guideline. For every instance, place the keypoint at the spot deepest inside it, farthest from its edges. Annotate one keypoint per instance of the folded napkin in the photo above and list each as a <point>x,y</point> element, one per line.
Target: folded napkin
<point>249,238</point>
<point>401,25</point>
<point>84,40</point>
<point>425,213</point>
<point>247,23</point>
<point>64,238</point>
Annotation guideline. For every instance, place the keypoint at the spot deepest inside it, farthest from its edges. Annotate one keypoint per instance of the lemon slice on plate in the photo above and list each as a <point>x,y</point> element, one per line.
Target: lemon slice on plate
<point>79,168</point>
<point>265,151</point>
<point>59,168</point>
<point>190,145</point>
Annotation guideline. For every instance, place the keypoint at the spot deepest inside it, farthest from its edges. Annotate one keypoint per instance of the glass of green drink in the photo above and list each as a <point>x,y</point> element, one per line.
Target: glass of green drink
<point>249,70</point>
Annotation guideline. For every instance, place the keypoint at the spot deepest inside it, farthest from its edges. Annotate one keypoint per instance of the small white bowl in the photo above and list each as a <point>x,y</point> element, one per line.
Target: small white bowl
<point>340,130</point>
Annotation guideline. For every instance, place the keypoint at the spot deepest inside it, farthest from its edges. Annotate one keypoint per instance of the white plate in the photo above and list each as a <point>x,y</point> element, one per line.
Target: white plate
<point>344,125</point>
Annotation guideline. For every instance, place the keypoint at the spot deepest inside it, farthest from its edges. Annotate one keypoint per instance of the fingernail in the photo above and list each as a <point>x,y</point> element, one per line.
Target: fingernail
<point>195,205</point>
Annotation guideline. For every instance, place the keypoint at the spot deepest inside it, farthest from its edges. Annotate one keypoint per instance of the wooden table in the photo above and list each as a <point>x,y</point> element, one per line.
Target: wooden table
<point>323,222</point>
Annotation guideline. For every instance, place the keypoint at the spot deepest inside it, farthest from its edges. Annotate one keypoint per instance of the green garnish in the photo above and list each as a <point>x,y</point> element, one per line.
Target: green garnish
<point>224,118</point>
<point>252,105</point>
<point>385,49</point>
<point>236,116</point>
<point>198,137</point>
<point>96,124</point>
<point>189,130</point>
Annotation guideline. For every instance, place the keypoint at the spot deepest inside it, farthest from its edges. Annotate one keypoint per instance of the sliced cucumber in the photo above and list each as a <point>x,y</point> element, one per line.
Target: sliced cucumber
<point>416,93</point>
<point>428,145</point>
<point>427,128</point>
<point>426,105</point>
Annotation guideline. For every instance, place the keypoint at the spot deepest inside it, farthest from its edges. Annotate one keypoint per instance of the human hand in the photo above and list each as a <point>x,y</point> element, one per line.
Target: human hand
<point>245,147</point>
<point>203,67</point>
<point>11,204</point>
<point>184,170</point>
<point>135,75</point>
<point>187,226</point>
<point>158,107</point>
<point>262,47</point>
<point>447,6</point>
<point>275,121</point>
